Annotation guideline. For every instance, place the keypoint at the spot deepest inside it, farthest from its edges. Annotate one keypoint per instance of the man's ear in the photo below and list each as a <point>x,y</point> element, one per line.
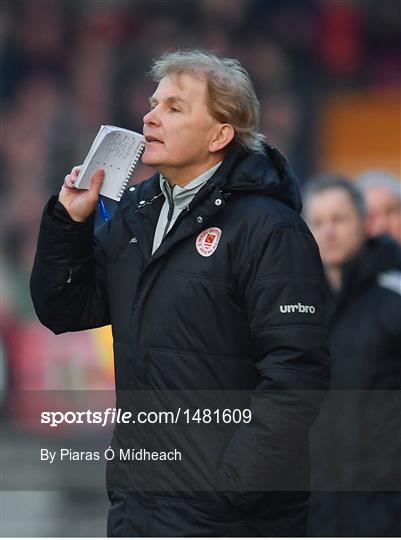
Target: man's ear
<point>222,138</point>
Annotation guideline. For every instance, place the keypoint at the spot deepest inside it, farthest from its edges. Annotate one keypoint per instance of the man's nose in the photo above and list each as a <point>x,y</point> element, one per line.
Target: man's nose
<point>151,117</point>
<point>328,230</point>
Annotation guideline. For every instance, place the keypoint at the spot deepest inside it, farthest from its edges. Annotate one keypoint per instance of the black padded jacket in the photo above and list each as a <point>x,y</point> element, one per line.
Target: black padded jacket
<point>227,313</point>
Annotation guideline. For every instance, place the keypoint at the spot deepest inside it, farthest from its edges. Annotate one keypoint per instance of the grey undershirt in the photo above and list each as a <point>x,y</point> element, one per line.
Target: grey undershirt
<point>176,199</point>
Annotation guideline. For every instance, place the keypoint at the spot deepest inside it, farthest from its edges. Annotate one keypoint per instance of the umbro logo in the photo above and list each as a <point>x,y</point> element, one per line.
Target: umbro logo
<point>297,308</point>
<point>133,240</point>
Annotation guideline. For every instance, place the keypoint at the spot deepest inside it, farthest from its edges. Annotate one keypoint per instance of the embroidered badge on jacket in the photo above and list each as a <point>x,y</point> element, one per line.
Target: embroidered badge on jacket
<point>207,241</point>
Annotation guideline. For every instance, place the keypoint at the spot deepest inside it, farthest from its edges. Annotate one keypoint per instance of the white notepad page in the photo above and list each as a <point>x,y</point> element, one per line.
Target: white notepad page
<point>117,151</point>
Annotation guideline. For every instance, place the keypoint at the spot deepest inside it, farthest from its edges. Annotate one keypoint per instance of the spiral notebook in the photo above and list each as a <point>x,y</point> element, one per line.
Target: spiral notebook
<point>117,151</point>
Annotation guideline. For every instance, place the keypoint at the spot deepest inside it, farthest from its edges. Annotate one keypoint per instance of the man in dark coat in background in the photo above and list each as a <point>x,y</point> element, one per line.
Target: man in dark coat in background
<point>356,442</point>
<point>213,285</point>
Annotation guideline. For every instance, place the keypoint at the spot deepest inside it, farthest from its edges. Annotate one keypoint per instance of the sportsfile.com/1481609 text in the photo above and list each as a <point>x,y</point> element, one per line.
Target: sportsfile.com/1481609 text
<point>118,416</point>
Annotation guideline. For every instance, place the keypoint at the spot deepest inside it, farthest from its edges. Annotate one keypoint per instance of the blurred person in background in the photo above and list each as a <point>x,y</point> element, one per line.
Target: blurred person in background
<point>382,192</point>
<point>355,443</point>
<point>210,280</point>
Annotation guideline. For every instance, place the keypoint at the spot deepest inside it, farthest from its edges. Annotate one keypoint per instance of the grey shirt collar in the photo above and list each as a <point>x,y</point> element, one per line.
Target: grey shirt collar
<point>182,196</point>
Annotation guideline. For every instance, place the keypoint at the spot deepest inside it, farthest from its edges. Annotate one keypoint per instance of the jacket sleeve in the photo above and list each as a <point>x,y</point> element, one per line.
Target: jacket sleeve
<point>68,276</point>
<point>282,284</point>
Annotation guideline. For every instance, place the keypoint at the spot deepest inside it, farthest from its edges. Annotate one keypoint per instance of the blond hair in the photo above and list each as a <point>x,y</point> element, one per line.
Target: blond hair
<point>231,96</point>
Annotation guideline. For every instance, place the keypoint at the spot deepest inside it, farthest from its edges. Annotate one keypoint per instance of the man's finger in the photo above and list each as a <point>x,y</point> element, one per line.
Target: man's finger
<point>76,170</point>
<point>68,182</point>
<point>96,182</point>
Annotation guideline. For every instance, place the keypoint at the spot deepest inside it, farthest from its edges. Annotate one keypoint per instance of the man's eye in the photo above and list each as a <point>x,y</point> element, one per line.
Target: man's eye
<point>174,109</point>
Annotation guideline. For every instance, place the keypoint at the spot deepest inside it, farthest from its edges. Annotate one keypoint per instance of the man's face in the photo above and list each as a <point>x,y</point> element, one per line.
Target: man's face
<point>336,226</point>
<point>179,128</point>
<point>384,212</point>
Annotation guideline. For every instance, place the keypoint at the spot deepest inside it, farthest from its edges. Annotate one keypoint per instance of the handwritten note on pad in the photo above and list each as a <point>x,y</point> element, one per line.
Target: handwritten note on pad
<point>117,151</point>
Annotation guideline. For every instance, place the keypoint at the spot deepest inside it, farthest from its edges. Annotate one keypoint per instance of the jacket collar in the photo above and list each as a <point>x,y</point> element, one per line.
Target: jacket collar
<point>269,173</point>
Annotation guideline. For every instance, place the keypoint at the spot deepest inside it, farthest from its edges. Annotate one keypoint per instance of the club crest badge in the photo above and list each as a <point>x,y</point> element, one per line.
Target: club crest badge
<point>207,241</point>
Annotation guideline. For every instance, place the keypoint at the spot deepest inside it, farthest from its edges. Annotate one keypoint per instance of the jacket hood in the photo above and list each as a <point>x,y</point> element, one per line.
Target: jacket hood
<point>379,254</point>
<point>270,174</point>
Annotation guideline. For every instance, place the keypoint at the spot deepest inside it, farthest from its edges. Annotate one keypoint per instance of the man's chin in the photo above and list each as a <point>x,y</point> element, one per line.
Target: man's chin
<point>151,160</point>
<point>334,260</point>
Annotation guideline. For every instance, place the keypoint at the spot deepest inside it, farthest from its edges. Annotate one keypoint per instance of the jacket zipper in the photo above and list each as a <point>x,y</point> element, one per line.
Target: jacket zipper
<point>170,209</point>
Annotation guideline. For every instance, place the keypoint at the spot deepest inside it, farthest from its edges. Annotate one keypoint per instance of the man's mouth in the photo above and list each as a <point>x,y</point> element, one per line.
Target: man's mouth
<point>150,139</point>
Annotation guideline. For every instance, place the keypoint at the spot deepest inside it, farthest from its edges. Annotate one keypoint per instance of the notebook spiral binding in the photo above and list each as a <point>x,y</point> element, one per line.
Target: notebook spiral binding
<point>131,170</point>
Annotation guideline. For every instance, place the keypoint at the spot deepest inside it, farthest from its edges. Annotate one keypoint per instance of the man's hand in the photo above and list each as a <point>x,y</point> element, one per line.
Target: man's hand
<point>80,203</point>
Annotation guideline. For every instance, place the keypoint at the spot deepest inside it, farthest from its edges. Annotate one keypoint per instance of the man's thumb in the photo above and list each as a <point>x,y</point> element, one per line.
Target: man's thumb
<point>97,181</point>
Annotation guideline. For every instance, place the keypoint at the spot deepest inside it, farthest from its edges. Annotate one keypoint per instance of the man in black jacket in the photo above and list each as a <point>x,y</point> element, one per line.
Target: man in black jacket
<point>213,286</point>
<point>356,442</point>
